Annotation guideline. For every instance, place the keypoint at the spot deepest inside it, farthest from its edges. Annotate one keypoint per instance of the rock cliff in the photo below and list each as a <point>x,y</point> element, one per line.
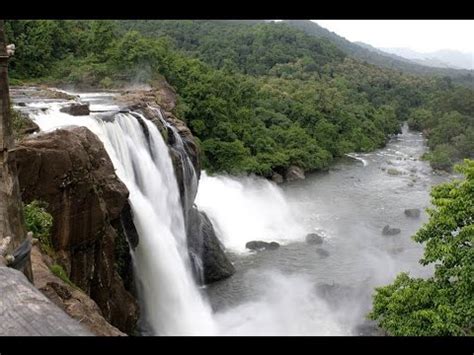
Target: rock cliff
<point>71,171</point>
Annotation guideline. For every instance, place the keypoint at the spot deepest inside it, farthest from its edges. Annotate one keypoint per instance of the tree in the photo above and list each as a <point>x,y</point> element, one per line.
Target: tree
<point>442,304</point>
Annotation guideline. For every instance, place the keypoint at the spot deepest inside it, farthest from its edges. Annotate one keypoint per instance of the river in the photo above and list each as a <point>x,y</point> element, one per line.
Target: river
<point>299,289</point>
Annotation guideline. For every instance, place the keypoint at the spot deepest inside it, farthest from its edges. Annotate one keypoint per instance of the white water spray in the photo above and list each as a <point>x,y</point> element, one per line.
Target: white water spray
<point>247,209</point>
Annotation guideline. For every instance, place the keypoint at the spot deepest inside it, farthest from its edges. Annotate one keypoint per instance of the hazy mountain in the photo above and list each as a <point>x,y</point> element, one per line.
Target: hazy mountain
<point>443,58</point>
<point>378,57</point>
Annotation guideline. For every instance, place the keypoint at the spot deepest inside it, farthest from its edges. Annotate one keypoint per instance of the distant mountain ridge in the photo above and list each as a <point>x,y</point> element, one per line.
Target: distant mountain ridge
<point>376,56</point>
<point>441,58</point>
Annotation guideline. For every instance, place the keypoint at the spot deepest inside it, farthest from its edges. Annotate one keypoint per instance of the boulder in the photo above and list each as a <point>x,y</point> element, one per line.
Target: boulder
<point>24,125</point>
<point>390,231</point>
<point>412,212</point>
<point>70,170</point>
<point>260,245</point>
<point>313,238</point>
<point>294,173</point>
<point>277,178</point>
<point>273,246</point>
<point>203,243</point>
<point>76,109</point>
<point>393,171</point>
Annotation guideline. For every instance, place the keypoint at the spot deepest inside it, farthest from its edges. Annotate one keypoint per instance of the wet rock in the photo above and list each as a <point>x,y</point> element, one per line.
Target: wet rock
<point>273,246</point>
<point>76,109</point>
<point>260,245</point>
<point>25,125</point>
<point>390,231</point>
<point>294,173</point>
<point>368,328</point>
<point>277,178</point>
<point>412,212</point>
<point>313,238</point>
<point>393,171</point>
<point>322,253</point>
<point>203,243</point>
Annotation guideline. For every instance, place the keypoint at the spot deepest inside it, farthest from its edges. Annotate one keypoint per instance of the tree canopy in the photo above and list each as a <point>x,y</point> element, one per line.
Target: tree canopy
<point>442,304</point>
<point>259,96</point>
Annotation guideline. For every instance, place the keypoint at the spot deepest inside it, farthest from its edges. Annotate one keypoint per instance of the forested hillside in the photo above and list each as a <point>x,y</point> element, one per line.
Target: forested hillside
<point>374,56</point>
<point>260,96</point>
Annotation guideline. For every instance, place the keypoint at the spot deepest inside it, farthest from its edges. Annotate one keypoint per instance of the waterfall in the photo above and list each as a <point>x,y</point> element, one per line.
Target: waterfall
<point>171,302</point>
<point>247,208</point>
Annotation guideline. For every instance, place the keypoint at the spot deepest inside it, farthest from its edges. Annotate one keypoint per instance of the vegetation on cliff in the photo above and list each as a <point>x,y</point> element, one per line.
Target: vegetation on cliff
<point>443,304</point>
<point>259,96</point>
<point>40,222</point>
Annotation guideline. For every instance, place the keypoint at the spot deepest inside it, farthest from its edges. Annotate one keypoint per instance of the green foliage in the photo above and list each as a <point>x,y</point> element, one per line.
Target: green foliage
<point>40,222</point>
<point>59,271</point>
<point>447,118</point>
<point>443,304</point>
<point>18,121</point>
<point>259,96</point>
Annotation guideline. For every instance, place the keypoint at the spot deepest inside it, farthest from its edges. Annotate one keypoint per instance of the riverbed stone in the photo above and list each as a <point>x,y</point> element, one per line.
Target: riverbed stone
<point>390,231</point>
<point>259,245</point>
<point>393,171</point>
<point>313,238</point>
<point>412,212</point>
<point>76,109</point>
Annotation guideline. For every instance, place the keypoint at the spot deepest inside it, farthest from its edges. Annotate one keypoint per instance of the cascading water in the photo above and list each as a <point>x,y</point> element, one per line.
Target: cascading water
<point>245,209</point>
<point>189,190</point>
<point>172,303</point>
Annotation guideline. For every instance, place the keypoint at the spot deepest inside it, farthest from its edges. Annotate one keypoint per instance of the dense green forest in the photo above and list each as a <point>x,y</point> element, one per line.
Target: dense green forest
<point>259,96</point>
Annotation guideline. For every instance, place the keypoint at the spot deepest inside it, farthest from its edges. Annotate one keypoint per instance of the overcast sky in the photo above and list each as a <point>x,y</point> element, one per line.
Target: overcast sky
<point>419,35</point>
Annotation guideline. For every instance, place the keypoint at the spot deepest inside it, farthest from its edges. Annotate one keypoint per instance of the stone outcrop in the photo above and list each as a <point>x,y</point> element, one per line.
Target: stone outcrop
<point>70,299</point>
<point>76,109</point>
<point>259,245</point>
<point>294,173</point>
<point>25,311</point>
<point>203,242</point>
<point>71,171</point>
